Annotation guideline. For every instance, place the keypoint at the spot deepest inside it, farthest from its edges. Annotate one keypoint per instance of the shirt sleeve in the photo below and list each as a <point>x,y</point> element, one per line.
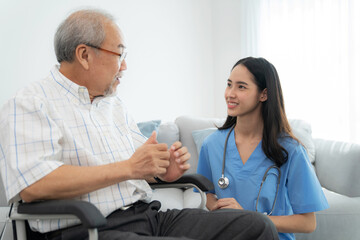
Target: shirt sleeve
<point>305,192</point>
<point>204,167</point>
<point>29,142</point>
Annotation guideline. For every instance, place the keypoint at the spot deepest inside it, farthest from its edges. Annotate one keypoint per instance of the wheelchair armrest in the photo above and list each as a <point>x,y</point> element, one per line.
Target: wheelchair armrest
<point>198,180</point>
<point>89,215</point>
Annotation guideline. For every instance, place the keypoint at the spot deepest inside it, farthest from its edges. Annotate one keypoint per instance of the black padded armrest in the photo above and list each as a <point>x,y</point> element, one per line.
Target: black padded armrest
<point>199,180</point>
<point>89,215</point>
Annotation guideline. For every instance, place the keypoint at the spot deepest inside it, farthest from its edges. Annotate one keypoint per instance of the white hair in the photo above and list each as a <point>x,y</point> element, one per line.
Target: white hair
<point>81,27</point>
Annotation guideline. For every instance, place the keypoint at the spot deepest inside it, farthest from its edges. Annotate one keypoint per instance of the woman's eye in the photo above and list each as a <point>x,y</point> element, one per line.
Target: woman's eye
<point>242,87</point>
<point>229,84</point>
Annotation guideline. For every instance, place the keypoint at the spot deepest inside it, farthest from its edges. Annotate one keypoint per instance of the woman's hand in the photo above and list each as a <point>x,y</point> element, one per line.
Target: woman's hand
<point>227,203</point>
<point>178,163</point>
<point>213,203</point>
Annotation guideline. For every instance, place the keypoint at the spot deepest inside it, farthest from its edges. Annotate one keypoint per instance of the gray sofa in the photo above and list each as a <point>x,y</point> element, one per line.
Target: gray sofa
<point>337,166</point>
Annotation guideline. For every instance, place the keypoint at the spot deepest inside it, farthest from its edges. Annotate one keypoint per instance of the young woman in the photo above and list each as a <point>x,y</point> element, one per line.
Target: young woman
<point>262,166</point>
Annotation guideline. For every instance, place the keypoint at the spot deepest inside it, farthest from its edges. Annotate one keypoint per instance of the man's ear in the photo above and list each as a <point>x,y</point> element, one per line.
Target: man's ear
<point>263,95</point>
<point>82,55</point>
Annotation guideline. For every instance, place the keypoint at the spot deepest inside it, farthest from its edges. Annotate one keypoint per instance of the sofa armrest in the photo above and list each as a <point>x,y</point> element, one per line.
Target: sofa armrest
<point>89,215</point>
<point>338,166</point>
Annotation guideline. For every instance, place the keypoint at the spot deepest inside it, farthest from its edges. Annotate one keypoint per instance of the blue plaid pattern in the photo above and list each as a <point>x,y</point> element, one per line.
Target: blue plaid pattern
<point>52,122</point>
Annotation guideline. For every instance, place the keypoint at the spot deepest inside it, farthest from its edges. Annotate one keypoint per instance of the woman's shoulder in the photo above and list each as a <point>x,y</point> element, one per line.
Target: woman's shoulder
<point>296,151</point>
<point>290,144</point>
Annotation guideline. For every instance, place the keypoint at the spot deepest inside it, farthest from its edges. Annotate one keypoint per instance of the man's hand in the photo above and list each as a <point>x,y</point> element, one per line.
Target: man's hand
<point>178,163</point>
<point>149,160</point>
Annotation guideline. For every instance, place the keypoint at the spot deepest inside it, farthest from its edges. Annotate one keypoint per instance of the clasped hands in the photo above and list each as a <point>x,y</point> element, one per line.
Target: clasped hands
<point>154,159</point>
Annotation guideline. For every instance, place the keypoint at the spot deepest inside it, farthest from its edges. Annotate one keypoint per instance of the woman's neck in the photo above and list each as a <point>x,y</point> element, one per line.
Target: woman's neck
<point>249,128</point>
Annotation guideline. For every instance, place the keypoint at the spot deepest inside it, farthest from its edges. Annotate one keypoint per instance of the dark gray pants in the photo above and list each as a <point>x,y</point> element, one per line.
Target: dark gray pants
<point>144,221</point>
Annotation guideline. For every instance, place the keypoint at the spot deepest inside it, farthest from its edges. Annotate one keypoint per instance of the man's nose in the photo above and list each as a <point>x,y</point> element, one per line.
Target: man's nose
<point>123,65</point>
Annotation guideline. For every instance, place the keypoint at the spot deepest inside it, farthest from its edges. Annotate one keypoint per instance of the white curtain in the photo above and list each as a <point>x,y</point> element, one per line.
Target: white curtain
<point>315,46</point>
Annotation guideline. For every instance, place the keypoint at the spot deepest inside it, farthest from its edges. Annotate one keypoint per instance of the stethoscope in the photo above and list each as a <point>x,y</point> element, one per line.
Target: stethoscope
<point>223,181</point>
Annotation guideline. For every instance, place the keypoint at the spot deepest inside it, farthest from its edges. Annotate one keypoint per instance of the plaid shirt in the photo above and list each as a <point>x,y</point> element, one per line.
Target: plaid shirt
<point>53,122</point>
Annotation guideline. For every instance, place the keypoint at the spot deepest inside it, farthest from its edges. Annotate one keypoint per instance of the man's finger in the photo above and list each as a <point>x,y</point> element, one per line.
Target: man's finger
<point>162,147</point>
<point>152,139</point>
<point>163,163</point>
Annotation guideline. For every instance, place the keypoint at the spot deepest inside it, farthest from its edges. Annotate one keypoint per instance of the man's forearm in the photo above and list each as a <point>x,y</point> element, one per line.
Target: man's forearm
<point>72,181</point>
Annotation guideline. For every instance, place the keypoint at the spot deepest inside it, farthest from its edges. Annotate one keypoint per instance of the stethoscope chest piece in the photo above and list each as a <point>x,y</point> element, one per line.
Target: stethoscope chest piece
<point>223,182</point>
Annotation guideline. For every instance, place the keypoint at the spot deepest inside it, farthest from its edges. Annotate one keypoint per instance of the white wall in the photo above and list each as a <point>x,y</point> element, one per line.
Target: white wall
<point>229,26</point>
<point>313,45</point>
<point>169,43</point>
<point>180,54</point>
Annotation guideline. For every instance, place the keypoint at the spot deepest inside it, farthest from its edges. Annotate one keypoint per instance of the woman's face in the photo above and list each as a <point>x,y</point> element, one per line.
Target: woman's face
<point>242,95</point>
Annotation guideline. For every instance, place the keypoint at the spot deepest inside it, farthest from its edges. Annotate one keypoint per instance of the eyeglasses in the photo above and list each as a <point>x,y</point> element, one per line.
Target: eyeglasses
<point>121,56</point>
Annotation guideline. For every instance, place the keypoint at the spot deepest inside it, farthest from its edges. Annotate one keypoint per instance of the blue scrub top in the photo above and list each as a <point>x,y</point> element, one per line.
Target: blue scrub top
<point>299,189</point>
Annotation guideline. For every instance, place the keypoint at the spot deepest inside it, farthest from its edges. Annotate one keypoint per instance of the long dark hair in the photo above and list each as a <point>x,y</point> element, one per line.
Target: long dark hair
<point>273,111</point>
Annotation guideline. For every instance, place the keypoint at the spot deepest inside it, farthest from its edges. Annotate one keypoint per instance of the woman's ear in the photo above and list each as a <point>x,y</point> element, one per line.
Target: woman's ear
<point>263,95</point>
<point>82,55</point>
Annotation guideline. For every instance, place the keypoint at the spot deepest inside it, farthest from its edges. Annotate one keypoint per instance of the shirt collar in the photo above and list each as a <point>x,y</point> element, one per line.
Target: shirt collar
<point>74,92</point>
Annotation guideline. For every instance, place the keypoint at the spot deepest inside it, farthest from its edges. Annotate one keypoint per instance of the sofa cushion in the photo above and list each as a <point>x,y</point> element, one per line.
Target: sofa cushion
<point>170,198</point>
<point>146,128</point>
<point>338,166</point>
<point>186,126</point>
<point>4,213</point>
<point>200,135</point>
<point>176,198</point>
<point>192,199</point>
<point>168,133</point>
<point>338,221</point>
<point>302,131</point>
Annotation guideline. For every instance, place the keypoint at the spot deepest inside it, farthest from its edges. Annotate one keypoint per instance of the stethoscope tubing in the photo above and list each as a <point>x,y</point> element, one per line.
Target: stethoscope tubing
<point>277,188</point>
<point>223,181</point>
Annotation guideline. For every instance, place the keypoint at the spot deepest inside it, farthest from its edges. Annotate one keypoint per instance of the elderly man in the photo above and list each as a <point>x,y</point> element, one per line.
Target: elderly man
<point>69,136</point>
